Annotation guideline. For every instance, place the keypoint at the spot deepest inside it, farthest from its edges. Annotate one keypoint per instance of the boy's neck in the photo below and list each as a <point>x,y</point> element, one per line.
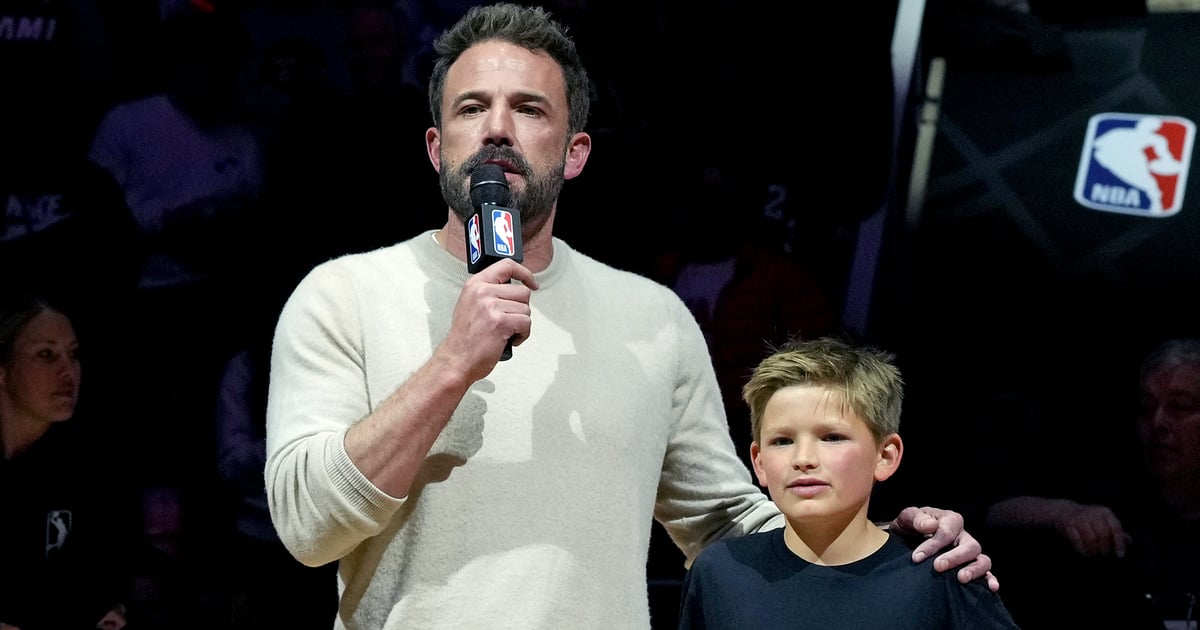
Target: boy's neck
<point>829,544</point>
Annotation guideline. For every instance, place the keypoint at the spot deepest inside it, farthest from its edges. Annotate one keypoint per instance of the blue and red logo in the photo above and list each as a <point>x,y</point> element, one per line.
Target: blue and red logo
<point>1135,164</point>
<point>503,239</point>
<point>474,245</point>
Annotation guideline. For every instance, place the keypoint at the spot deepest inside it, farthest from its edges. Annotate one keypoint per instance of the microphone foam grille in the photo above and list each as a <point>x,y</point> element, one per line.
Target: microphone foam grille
<point>488,185</point>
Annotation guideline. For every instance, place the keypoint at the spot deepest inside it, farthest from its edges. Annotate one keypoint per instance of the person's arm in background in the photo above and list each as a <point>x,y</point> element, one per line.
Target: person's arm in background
<point>241,440</point>
<point>1093,530</point>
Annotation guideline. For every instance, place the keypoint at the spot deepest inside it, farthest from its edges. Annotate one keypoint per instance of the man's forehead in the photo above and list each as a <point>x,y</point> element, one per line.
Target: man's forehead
<point>499,58</point>
<point>1183,377</point>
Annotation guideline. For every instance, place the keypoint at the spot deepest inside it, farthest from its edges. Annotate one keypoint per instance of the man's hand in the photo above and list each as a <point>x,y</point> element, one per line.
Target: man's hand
<point>491,311</point>
<point>941,529</point>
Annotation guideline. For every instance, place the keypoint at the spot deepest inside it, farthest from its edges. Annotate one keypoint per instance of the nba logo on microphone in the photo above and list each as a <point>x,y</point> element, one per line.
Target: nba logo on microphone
<point>1135,164</point>
<point>474,245</point>
<point>502,240</point>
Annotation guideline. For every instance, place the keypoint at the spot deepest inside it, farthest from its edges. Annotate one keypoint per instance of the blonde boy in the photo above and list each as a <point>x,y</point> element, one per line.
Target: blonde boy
<point>825,416</point>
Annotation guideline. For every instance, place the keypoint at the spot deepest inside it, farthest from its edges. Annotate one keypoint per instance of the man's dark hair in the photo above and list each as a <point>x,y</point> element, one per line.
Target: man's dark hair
<point>529,27</point>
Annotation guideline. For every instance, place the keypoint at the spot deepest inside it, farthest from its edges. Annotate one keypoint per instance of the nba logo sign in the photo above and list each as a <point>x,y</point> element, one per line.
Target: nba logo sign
<point>502,240</point>
<point>1135,164</point>
<point>474,245</point>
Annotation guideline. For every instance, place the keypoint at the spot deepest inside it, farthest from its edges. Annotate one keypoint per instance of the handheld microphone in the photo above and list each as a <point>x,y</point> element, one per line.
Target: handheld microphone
<point>493,231</point>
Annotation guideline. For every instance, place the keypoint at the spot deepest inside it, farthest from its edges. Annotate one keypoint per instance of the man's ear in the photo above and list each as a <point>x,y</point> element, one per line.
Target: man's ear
<point>578,151</point>
<point>890,453</point>
<point>433,146</point>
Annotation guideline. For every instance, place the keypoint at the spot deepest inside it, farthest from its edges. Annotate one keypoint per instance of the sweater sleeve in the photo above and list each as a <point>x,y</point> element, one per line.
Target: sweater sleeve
<point>705,492</point>
<point>321,505</point>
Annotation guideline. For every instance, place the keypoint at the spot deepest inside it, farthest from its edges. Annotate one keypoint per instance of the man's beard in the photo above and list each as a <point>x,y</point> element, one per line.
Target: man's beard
<point>533,203</point>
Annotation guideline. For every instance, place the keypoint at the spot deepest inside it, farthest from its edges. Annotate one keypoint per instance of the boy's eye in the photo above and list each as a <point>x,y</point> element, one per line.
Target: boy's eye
<point>780,441</point>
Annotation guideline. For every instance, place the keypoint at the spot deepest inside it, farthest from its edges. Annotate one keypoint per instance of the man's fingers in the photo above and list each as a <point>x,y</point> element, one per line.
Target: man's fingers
<point>992,582</point>
<point>950,532</point>
<point>981,566</point>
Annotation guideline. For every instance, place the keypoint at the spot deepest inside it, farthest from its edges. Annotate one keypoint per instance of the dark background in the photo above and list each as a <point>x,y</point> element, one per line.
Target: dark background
<point>989,283</point>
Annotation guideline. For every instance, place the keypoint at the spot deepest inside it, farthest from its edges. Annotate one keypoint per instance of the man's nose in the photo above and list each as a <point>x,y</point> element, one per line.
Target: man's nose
<point>499,126</point>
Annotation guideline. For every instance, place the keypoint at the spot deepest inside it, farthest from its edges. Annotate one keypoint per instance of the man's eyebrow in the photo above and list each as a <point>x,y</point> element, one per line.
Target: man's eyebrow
<point>520,96</point>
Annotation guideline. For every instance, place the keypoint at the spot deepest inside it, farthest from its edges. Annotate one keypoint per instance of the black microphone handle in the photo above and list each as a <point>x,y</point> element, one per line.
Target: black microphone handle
<point>489,194</point>
<point>518,255</point>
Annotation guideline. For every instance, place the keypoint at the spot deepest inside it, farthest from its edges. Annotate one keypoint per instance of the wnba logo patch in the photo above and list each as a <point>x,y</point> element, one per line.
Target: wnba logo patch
<point>1135,164</point>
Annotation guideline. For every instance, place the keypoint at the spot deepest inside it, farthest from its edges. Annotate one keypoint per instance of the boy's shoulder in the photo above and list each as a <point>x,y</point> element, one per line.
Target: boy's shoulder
<point>740,548</point>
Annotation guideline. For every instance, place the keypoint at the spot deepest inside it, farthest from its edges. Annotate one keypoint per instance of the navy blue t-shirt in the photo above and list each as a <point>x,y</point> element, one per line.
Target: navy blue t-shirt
<point>755,581</point>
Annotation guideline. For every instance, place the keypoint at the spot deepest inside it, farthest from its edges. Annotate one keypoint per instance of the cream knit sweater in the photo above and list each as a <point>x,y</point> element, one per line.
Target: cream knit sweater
<point>533,509</point>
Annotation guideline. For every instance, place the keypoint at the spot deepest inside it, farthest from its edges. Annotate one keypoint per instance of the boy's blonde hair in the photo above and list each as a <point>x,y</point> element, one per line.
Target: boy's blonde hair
<point>866,377</point>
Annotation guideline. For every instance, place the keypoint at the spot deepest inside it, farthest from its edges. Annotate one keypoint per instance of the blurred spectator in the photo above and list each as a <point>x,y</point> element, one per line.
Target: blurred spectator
<point>68,524</point>
<point>318,23</point>
<point>429,18</point>
<point>1136,548</point>
<point>385,126</point>
<point>190,169</point>
<point>270,589</point>
<point>1169,434</point>
<point>179,582</point>
<point>290,80</point>
<point>725,262</point>
<point>344,172</point>
<point>65,231</point>
<point>189,166</point>
<point>382,49</point>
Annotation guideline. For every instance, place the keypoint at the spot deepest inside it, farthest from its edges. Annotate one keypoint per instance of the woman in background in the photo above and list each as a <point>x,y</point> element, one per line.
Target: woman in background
<point>63,548</point>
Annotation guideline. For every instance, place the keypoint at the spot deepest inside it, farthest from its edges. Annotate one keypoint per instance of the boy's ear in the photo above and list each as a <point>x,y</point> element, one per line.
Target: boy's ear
<point>755,451</point>
<point>890,453</point>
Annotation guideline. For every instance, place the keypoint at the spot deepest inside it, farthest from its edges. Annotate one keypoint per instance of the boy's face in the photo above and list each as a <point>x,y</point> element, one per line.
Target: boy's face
<point>818,460</point>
